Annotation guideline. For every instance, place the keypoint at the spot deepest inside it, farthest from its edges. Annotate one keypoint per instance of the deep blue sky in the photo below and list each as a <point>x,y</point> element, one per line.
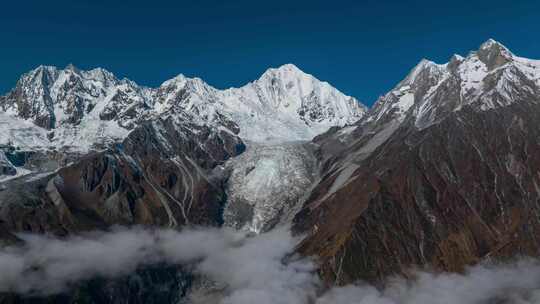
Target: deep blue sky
<point>361,47</point>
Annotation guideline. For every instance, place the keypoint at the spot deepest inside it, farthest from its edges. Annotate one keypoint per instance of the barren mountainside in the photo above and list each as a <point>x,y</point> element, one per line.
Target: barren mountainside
<point>442,171</point>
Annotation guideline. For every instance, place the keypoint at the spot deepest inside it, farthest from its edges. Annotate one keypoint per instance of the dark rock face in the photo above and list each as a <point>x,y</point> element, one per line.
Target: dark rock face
<point>450,196</point>
<point>6,167</point>
<point>156,284</point>
<point>38,160</point>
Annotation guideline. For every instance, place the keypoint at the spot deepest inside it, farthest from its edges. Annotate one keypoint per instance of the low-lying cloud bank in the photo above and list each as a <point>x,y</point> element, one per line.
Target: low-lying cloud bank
<point>254,269</point>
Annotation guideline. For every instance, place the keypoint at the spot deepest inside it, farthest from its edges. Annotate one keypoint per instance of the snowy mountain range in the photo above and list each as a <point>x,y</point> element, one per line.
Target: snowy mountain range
<point>79,110</point>
<point>441,172</point>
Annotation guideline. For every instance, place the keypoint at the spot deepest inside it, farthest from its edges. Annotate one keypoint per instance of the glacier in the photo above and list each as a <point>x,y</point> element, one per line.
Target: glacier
<point>267,184</point>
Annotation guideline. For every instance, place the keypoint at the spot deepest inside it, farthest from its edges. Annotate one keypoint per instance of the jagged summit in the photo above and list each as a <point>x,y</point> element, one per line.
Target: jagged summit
<point>182,79</point>
<point>494,54</point>
<point>489,77</point>
<point>424,66</point>
<point>492,44</point>
<point>285,68</point>
<point>284,104</point>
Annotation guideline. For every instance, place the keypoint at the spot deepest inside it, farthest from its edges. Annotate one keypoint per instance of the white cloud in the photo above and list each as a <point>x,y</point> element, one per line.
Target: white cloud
<point>252,269</point>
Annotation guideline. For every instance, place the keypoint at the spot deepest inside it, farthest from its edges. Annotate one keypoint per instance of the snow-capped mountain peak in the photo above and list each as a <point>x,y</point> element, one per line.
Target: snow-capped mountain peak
<point>294,105</point>
<point>489,77</point>
<point>179,79</point>
<point>285,86</point>
<point>492,43</point>
<point>283,70</point>
<point>94,107</point>
<point>287,73</point>
<point>493,54</point>
<point>425,68</point>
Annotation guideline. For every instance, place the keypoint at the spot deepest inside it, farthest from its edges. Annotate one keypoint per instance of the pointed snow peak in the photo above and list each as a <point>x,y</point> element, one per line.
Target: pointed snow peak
<point>178,79</point>
<point>491,43</point>
<point>289,78</point>
<point>286,71</point>
<point>102,74</point>
<point>187,85</point>
<point>182,80</point>
<point>494,54</point>
<point>424,66</point>
<point>428,64</point>
<point>72,67</point>
<point>289,67</point>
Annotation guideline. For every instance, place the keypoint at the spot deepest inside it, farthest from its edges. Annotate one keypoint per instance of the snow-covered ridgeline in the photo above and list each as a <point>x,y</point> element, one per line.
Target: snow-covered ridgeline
<point>488,78</point>
<point>81,110</point>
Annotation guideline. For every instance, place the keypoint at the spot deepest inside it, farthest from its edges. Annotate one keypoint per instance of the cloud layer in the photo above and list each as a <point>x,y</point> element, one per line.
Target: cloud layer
<point>257,269</point>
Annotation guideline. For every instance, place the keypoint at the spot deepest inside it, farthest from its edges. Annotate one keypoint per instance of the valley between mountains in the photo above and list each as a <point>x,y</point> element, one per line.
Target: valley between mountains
<point>441,173</point>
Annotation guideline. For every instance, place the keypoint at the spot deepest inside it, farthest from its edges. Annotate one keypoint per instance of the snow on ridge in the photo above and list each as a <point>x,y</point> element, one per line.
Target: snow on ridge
<point>431,90</point>
<point>293,105</point>
<point>83,108</point>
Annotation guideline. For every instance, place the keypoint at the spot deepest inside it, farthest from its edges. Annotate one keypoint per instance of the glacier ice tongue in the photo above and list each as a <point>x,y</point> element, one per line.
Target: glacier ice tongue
<point>266,184</point>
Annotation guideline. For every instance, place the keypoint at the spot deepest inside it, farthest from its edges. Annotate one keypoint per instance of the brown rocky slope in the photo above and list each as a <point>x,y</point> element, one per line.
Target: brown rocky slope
<point>397,192</point>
